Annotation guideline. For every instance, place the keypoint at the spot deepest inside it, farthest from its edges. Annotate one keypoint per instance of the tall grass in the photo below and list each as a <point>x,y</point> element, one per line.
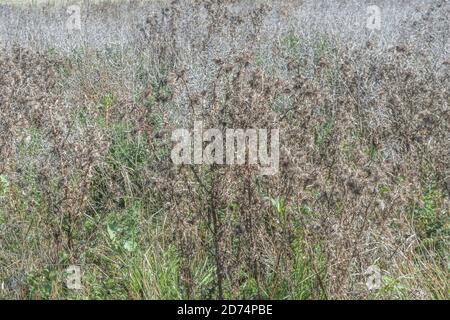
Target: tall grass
<point>86,176</point>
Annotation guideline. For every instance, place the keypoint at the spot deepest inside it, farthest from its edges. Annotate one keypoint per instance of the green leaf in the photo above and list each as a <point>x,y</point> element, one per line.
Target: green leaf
<point>278,205</point>
<point>112,231</point>
<point>130,245</point>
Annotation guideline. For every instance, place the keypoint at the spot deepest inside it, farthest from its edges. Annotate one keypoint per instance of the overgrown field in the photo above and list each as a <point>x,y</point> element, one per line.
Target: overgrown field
<point>87,179</point>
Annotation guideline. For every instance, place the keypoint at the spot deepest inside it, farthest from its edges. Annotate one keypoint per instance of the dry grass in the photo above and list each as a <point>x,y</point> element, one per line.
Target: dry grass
<point>87,179</point>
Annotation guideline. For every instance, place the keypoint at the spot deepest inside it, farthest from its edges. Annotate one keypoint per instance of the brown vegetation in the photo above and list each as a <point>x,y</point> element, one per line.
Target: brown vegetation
<point>364,175</point>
